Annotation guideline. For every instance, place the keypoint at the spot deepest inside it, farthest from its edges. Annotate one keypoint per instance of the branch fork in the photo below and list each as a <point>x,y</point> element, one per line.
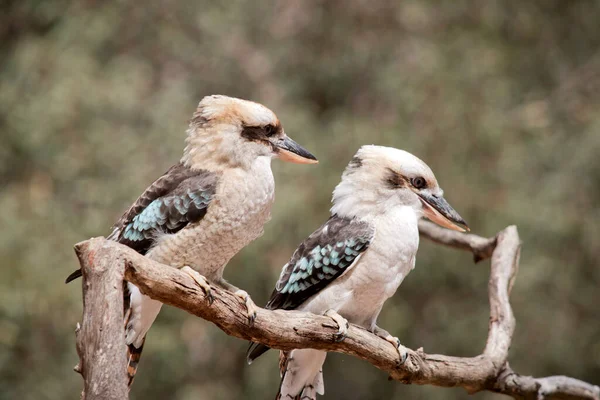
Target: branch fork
<point>100,341</point>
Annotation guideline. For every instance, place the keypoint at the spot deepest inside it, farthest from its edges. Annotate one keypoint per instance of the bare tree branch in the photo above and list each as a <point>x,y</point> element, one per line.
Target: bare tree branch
<point>100,339</point>
<point>287,330</point>
<point>481,248</point>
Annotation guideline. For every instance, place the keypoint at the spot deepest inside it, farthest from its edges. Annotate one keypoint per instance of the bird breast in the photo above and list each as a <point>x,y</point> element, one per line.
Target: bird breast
<point>235,217</point>
<point>359,294</point>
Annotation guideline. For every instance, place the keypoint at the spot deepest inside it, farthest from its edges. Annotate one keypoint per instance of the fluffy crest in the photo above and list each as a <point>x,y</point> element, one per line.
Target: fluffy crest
<point>224,109</point>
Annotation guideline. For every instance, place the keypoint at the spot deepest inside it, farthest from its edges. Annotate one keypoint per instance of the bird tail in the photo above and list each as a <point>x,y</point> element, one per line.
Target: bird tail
<point>133,353</point>
<point>308,392</point>
<point>74,275</point>
<point>255,350</point>
<point>301,374</point>
<point>133,358</point>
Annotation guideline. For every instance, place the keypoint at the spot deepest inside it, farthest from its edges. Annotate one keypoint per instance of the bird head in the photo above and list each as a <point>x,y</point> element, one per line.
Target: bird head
<point>228,132</point>
<point>380,178</point>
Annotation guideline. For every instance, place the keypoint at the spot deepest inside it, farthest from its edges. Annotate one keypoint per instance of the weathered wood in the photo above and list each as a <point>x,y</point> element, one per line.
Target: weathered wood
<point>481,248</point>
<point>552,387</point>
<point>287,330</point>
<point>100,338</point>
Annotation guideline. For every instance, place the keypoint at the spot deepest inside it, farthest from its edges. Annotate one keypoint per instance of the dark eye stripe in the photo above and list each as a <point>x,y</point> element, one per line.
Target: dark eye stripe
<point>394,180</point>
<point>253,133</point>
<point>259,133</point>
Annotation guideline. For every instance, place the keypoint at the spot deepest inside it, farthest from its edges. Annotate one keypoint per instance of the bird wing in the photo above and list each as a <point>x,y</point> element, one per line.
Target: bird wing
<point>325,255</point>
<point>179,197</point>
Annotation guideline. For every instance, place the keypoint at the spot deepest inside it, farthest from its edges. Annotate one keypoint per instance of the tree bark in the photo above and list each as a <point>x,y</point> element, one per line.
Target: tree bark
<point>100,338</point>
<point>286,330</point>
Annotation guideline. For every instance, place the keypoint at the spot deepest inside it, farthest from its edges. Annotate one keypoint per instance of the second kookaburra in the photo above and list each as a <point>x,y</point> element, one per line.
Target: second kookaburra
<point>354,262</point>
<point>208,206</point>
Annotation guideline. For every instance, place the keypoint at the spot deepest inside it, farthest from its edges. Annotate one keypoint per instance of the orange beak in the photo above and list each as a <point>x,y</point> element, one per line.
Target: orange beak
<point>437,210</point>
<point>290,151</point>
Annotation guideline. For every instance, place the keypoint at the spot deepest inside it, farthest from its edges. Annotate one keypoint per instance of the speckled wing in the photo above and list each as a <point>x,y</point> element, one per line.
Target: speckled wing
<point>325,255</point>
<point>180,197</point>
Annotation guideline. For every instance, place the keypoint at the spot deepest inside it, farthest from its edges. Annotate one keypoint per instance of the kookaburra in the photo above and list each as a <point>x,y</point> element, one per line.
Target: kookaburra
<point>354,262</point>
<point>208,206</point>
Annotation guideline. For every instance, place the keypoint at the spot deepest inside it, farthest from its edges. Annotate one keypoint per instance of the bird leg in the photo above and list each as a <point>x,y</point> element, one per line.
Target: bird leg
<point>402,351</point>
<point>250,306</point>
<point>201,281</point>
<point>341,322</point>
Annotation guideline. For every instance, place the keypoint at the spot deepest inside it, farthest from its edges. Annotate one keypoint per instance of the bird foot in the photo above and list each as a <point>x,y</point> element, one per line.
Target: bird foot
<point>201,281</point>
<point>250,306</point>
<point>402,351</point>
<point>341,322</point>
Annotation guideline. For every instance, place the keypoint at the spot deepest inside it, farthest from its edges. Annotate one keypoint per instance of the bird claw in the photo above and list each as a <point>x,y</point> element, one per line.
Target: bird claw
<point>250,306</point>
<point>202,282</point>
<point>402,351</point>
<point>341,322</point>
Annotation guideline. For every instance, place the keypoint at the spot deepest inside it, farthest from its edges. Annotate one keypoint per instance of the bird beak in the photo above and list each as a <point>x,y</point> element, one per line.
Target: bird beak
<point>290,151</point>
<point>437,209</point>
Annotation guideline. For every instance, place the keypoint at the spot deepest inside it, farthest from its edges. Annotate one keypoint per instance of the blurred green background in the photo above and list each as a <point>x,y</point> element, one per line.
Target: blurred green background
<point>500,98</point>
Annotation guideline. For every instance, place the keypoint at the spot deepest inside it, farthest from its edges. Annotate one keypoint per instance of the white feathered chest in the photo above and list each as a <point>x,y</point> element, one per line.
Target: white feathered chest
<point>235,217</point>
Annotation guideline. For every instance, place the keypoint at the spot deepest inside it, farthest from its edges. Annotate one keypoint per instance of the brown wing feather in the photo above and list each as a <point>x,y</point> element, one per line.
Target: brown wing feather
<point>163,185</point>
<point>177,180</point>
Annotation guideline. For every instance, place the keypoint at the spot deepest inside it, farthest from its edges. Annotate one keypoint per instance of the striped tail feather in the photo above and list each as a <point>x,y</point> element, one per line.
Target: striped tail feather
<point>133,353</point>
<point>133,358</point>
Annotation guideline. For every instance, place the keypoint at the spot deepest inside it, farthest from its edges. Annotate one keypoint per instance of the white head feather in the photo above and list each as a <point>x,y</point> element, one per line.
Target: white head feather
<point>369,187</point>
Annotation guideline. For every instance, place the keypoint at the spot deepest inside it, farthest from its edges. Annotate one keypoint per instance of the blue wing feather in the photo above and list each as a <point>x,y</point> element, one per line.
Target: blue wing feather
<point>166,214</point>
<point>180,197</point>
<point>322,257</point>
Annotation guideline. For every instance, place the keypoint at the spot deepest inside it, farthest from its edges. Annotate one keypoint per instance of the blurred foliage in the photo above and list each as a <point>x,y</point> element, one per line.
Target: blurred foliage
<point>500,98</point>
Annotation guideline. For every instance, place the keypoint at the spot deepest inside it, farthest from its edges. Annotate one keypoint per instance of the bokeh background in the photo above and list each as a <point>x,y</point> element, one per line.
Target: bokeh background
<point>500,98</point>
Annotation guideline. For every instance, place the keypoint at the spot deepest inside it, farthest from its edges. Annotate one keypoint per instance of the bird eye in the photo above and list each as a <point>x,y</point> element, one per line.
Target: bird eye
<point>270,130</point>
<point>418,182</point>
